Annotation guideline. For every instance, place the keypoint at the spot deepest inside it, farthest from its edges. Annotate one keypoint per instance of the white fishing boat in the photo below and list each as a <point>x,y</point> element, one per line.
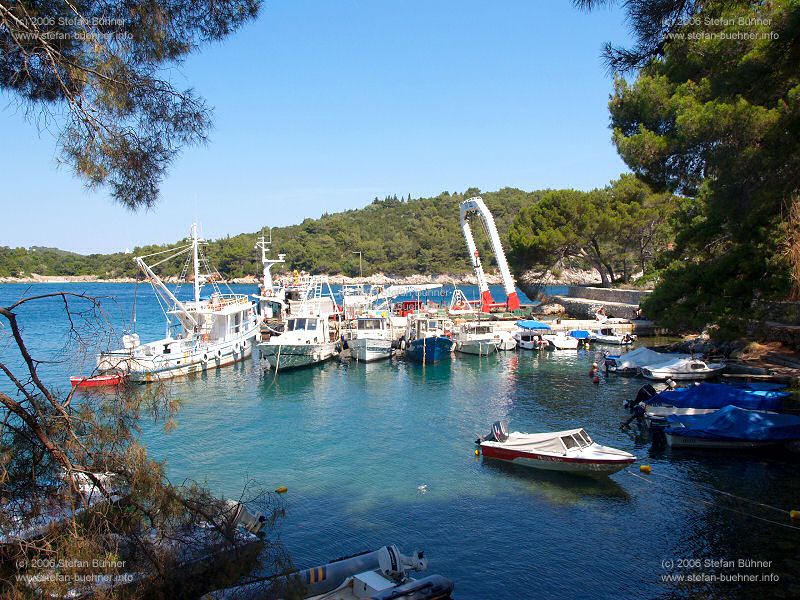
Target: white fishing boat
<point>202,334</point>
<point>570,451</point>
<point>371,337</point>
<point>311,334</point>
<point>683,369</point>
<point>609,335</point>
<point>476,337</point>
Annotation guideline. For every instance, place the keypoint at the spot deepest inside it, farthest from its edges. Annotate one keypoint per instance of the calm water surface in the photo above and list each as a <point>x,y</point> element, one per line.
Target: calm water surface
<point>354,442</point>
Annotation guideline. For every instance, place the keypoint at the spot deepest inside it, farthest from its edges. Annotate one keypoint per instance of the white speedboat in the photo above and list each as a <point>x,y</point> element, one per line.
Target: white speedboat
<point>683,369</point>
<point>632,362</point>
<point>571,451</point>
<point>310,336</point>
<point>608,335</point>
<point>476,337</point>
<point>371,338</point>
<point>529,334</point>
<point>202,334</point>
<point>382,574</point>
<point>560,341</point>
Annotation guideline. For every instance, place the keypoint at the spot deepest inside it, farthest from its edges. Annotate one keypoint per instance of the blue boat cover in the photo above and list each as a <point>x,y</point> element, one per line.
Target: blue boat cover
<point>735,423</point>
<point>717,395</point>
<point>579,334</point>
<point>764,386</point>
<point>530,324</point>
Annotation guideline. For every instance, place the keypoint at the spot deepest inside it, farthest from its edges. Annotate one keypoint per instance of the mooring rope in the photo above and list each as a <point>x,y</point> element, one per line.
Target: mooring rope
<point>709,503</point>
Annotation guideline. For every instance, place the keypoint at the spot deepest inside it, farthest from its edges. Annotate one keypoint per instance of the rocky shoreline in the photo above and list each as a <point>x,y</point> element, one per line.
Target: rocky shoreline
<point>566,277</point>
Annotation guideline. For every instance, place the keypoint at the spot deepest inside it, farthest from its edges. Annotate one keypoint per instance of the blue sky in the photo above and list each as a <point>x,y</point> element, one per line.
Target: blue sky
<point>320,106</point>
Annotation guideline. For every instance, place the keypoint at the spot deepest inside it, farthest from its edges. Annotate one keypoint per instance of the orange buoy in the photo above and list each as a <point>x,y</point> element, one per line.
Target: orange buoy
<point>646,469</point>
<point>282,489</point>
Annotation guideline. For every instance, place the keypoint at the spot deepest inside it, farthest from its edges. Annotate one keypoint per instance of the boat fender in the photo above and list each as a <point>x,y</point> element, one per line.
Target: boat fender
<point>205,357</point>
<point>403,344</point>
<point>237,348</point>
<point>219,354</point>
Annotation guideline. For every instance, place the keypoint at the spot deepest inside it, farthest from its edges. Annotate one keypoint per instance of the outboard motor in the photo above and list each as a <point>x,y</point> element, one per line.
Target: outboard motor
<point>644,394</point>
<point>394,565</point>
<point>499,433</point>
<point>240,516</point>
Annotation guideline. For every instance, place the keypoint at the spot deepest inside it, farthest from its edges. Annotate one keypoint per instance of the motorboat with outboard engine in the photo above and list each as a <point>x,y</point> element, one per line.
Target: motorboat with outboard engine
<point>382,574</point>
<point>683,369</point>
<point>570,451</point>
<point>608,335</point>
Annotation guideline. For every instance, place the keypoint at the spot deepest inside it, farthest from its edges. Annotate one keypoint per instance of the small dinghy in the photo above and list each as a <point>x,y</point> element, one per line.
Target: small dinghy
<point>382,574</point>
<point>571,451</point>
<point>106,380</point>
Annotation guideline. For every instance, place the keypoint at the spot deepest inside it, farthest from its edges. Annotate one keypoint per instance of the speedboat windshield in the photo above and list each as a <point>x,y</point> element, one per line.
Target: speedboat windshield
<point>370,324</point>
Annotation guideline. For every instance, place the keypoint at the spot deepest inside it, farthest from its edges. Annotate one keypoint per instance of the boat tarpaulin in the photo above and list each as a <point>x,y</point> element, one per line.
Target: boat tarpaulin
<point>717,395</point>
<point>579,334</point>
<point>736,423</point>
<point>531,324</point>
<point>644,357</point>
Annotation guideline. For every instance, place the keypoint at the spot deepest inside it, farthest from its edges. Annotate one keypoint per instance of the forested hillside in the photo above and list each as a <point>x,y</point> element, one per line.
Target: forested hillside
<point>395,236</point>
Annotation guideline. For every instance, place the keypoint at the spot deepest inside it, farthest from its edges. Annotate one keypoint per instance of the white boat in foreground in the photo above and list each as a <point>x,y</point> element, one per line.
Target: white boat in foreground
<point>682,369</point>
<point>202,334</point>
<point>382,574</point>
<point>570,451</point>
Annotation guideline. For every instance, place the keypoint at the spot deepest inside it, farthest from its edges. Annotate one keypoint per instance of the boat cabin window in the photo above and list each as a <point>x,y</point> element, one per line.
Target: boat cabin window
<point>480,329</point>
<point>370,324</point>
<point>697,366</point>
<point>569,442</point>
<point>302,325</point>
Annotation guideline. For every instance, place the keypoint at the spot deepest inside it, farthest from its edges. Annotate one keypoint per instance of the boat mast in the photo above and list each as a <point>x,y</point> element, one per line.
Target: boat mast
<point>196,260</point>
<point>264,244</point>
<point>155,280</point>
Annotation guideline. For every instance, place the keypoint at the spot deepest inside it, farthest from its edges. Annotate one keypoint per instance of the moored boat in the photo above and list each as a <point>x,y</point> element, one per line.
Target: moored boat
<point>310,336</point>
<point>106,380</point>
<point>476,337</point>
<point>202,334</point>
<point>529,334</point>
<point>730,428</point>
<point>608,335</point>
<point>382,574</point>
<point>570,451</point>
<point>372,338</point>
<point>683,369</point>
<point>428,338</point>
<point>632,362</point>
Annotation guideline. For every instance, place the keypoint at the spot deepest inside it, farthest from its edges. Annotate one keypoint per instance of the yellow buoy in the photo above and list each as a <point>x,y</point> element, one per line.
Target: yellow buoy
<point>477,452</point>
<point>646,469</point>
<point>282,490</point>
<point>795,514</point>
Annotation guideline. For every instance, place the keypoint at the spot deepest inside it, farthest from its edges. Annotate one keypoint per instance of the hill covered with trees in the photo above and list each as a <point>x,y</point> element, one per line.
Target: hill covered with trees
<point>396,236</point>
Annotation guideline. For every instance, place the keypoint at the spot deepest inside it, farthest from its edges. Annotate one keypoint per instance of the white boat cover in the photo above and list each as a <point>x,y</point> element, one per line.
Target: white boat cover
<point>538,442</point>
<point>644,357</point>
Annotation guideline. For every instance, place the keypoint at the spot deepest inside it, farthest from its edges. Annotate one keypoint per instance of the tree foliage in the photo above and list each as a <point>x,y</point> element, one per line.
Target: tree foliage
<point>395,236</point>
<point>715,114</point>
<point>616,230</point>
<point>97,70</point>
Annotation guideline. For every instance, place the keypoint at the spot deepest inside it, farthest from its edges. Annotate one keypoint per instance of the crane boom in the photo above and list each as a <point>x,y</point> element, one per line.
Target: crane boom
<point>477,206</point>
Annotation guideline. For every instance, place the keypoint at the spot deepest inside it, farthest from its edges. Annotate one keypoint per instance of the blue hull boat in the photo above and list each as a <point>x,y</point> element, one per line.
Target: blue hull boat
<point>430,349</point>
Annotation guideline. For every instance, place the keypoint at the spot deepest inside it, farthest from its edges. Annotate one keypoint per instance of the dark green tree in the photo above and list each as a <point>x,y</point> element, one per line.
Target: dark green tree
<point>714,113</point>
<point>97,71</point>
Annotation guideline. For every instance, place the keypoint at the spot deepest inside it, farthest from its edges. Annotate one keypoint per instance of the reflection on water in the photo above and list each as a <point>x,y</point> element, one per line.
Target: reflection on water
<point>354,442</point>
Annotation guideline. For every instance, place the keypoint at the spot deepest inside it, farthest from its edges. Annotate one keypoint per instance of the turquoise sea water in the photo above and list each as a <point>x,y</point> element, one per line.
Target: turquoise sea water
<point>353,442</point>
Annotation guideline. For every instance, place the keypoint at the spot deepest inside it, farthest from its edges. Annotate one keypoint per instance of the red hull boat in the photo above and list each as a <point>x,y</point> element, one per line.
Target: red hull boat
<point>98,380</point>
